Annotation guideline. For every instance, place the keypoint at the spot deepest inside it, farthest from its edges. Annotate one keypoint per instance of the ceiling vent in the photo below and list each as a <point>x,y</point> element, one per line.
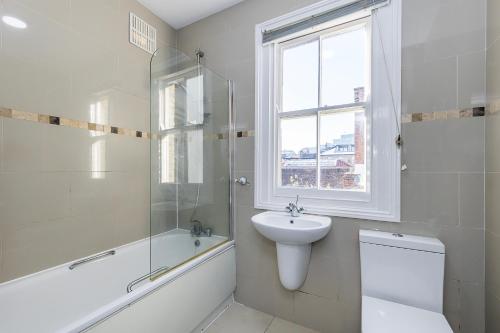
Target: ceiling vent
<point>142,34</point>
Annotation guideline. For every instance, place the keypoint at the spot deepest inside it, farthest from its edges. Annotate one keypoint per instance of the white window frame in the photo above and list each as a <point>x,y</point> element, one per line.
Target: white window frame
<point>353,195</point>
<point>383,116</point>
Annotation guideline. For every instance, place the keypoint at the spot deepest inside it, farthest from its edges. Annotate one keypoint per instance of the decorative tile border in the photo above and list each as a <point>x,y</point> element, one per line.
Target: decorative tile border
<point>66,122</point>
<point>493,108</point>
<point>245,134</point>
<point>94,127</point>
<point>444,115</point>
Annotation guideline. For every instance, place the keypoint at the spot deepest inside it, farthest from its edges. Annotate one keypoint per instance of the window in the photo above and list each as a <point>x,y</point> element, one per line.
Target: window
<point>324,79</point>
<point>328,112</point>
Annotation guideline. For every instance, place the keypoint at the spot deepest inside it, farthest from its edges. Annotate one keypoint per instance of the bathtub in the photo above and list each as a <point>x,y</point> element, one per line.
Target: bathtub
<point>63,300</point>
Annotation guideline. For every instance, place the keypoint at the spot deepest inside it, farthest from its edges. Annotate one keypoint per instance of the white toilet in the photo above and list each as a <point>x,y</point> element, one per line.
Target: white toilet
<point>402,279</point>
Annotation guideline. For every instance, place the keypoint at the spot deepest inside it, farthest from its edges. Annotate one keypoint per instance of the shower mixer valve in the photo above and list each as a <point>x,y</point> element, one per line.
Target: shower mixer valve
<point>197,230</point>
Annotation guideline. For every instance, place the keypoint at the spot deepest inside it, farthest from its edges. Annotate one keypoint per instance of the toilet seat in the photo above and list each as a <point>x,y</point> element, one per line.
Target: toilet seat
<point>380,316</point>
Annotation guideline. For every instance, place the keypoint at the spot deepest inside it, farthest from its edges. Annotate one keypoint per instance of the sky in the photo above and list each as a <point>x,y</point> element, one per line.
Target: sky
<point>344,65</point>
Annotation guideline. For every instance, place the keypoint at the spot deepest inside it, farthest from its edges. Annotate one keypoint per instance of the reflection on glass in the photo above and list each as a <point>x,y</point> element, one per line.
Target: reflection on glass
<point>195,156</point>
<point>342,150</point>
<point>344,67</point>
<point>167,107</point>
<point>298,152</point>
<point>168,169</point>
<point>99,114</point>
<point>194,100</point>
<point>98,159</point>
<point>300,77</point>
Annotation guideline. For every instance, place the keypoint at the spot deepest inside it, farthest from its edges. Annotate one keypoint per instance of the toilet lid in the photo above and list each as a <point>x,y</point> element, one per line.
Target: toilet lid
<point>380,316</point>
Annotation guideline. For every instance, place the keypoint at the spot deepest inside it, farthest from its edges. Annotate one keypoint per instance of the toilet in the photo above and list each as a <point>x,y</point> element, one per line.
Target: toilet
<point>402,279</point>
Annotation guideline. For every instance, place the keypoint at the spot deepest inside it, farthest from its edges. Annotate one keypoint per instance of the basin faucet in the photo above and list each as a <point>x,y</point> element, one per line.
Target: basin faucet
<point>294,209</point>
<point>197,230</point>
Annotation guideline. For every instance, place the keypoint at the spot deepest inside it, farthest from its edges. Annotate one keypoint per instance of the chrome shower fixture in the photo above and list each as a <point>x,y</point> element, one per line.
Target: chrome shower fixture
<point>199,54</point>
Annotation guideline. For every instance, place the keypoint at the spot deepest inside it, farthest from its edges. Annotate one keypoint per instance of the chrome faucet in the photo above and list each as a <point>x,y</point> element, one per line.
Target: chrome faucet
<point>197,230</point>
<point>294,209</point>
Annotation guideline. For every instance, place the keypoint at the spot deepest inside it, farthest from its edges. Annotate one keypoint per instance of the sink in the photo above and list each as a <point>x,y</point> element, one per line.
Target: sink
<point>293,237</point>
<point>282,228</point>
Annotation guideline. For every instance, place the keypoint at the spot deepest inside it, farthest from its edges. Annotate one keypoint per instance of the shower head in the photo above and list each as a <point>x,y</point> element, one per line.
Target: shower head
<point>199,54</point>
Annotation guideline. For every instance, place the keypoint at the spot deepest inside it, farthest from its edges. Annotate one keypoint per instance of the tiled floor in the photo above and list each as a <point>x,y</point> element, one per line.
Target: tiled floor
<point>241,319</point>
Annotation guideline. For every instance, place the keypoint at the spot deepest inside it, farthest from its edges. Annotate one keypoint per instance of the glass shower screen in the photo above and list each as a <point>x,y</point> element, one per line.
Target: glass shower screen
<point>190,160</point>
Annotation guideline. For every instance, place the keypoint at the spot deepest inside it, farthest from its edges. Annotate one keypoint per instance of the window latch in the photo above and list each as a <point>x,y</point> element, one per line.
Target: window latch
<point>399,140</point>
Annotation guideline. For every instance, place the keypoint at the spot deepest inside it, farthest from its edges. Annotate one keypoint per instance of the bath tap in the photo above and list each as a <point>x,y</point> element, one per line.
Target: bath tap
<point>294,209</point>
<point>198,230</point>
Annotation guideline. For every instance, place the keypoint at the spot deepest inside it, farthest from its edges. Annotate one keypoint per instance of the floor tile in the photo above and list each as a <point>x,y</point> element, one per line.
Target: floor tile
<point>282,326</point>
<point>241,319</point>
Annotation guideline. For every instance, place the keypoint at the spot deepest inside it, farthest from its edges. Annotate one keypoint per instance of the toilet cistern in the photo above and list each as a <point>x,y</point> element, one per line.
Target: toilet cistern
<point>293,236</point>
<point>402,280</point>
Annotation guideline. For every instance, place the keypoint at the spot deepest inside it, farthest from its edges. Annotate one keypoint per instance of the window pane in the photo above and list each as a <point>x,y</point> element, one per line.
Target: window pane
<point>300,77</point>
<point>298,152</point>
<point>342,150</point>
<point>344,68</point>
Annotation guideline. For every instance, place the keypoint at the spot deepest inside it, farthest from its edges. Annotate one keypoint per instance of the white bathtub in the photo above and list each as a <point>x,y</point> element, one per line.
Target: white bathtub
<point>63,300</point>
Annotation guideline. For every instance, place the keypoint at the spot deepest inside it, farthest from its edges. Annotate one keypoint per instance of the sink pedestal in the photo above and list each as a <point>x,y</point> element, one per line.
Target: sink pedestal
<point>293,264</point>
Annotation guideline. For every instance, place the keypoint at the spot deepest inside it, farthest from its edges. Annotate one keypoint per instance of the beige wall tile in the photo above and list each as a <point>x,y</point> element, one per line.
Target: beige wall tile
<point>492,263</point>
<point>472,200</point>
<point>472,306</point>
<point>492,208</point>
<point>492,311</point>
<point>430,32</point>
<point>318,313</point>
<point>493,26</point>
<point>440,50</point>
<point>420,96</point>
<point>129,111</point>
<point>59,10</point>
<point>471,79</point>
<point>73,56</point>
<point>430,198</point>
<point>105,17</point>
<point>492,143</point>
<point>33,197</point>
<point>22,145</point>
<point>271,298</point>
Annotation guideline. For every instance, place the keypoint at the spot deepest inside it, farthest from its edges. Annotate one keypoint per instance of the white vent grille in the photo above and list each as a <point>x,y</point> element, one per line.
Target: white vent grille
<point>142,34</point>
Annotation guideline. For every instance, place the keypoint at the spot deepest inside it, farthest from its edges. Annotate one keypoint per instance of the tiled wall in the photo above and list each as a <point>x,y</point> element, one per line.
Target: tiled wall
<point>442,190</point>
<point>65,191</point>
<point>492,234</point>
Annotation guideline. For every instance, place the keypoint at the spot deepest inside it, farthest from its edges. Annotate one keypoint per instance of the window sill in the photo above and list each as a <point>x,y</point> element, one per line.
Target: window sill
<point>349,212</point>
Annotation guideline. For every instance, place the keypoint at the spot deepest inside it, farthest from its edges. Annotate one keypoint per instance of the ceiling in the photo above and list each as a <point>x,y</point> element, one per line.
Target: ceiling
<point>180,13</point>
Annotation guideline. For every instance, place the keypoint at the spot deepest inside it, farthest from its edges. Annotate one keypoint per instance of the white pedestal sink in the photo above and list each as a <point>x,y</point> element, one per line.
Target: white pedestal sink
<point>293,237</point>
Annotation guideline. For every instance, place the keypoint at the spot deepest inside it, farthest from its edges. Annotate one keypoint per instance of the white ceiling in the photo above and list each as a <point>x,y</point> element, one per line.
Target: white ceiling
<point>180,13</point>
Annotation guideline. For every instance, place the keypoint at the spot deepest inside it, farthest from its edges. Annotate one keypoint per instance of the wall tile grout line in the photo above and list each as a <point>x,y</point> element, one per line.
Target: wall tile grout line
<point>270,323</point>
